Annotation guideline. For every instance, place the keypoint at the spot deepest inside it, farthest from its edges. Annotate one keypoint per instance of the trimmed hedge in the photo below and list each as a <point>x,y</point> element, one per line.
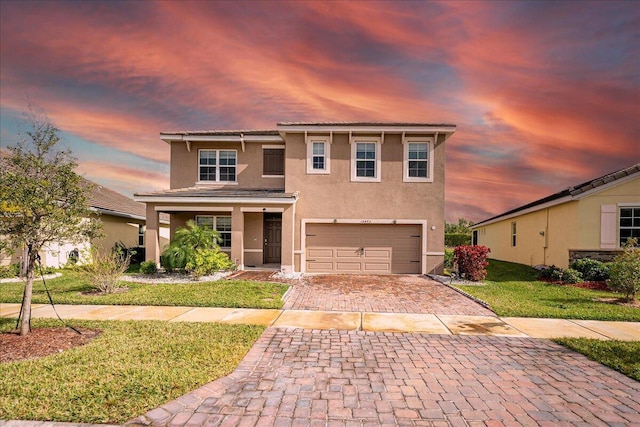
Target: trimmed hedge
<point>451,240</point>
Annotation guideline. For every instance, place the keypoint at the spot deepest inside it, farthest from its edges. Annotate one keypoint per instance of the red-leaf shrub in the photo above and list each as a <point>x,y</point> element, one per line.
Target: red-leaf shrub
<point>472,261</point>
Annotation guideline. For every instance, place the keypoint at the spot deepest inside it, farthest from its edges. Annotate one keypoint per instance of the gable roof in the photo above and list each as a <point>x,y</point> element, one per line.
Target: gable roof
<point>568,194</point>
<point>108,202</point>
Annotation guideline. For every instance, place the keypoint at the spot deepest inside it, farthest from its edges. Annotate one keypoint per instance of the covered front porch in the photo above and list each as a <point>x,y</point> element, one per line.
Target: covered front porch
<point>256,226</point>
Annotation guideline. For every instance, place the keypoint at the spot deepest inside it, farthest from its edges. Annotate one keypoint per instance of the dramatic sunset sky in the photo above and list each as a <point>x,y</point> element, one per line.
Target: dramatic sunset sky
<point>545,94</point>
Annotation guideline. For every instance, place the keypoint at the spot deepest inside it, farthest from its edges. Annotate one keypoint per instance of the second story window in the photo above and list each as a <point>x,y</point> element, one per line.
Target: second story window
<point>272,162</point>
<point>318,154</point>
<point>365,159</point>
<point>418,163</point>
<point>217,166</point>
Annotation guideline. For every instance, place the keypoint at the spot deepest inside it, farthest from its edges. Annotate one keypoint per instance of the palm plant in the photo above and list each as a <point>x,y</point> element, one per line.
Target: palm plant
<point>186,242</point>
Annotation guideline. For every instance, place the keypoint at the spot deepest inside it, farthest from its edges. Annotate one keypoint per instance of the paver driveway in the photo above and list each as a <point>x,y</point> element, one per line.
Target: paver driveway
<point>380,293</point>
<point>296,377</point>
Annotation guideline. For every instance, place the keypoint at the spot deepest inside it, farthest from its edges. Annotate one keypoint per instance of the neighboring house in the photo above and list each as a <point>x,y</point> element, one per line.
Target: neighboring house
<point>591,220</point>
<point>123,220</point>
<point>312,197</point>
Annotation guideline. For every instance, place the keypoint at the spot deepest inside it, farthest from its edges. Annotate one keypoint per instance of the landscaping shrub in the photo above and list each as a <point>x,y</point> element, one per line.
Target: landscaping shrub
<point>624,273</point>
<point>556,274</point>
<point>571,276</point>
<point>452,240</point>
<point>472,261</point>
<point>9,271</point>
<point>185,243</point>
<point>148,267</point>
<point>137,254</point>
<point>448,258</point>
<point>105,270</point>
<point>207,261</point>
<point>591,269</point>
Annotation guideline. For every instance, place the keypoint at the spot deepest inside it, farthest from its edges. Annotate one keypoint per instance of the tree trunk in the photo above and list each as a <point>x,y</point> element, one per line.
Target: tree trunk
<point>25,325</point>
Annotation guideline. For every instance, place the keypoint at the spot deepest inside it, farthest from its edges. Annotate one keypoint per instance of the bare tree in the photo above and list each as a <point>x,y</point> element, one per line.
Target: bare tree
<point>42,200</point>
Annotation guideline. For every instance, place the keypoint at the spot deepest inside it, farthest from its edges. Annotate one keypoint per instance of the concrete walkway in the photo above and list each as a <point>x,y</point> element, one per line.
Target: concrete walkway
<point>446,324</point>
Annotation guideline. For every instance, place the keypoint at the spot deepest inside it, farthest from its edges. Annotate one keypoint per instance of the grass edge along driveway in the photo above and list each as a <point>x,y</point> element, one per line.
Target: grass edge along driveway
<point>73,288</point>
<point>132,367</point>
<point>512,290</point>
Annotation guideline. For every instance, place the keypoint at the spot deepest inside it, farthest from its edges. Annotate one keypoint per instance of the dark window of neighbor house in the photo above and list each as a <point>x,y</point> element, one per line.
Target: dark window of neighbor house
<point>474,237</point>
<point>513,234</point>
<point>273,161</point>
<point>140,235</point>
<point>629,224</point>
<point>217,165</point>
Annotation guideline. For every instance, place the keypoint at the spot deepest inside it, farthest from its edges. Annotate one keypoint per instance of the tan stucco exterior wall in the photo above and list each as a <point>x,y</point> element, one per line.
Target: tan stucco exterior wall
<point>334,195</point>
<point>184,165</point>
<point>571,225</point>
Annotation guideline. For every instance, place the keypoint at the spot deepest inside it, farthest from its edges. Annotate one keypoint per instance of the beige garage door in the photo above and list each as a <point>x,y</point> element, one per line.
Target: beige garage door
<point>363,248</point>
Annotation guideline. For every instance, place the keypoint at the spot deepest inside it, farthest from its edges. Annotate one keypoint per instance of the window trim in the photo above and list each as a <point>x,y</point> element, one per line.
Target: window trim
<point>378,160</point>
<point>326,140</point>
<point>217,180</point>
<point>274,147</point>
<point>215,225</point>
<point>405,158</point>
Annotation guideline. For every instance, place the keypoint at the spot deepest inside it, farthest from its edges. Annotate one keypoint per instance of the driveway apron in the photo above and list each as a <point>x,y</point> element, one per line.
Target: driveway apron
<point>299,377</point>
<point>380,293</point>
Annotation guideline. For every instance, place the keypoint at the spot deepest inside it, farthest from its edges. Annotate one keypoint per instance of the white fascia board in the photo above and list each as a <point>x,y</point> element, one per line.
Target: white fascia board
<point>367,129</point>
<point>221,138</point>
<point>607,186</point>
<point>525,211</point>
<point>217,200</point>
<point>118,214</point>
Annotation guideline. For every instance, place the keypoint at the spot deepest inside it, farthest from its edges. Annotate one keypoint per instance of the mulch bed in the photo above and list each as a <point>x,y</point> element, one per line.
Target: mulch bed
<point>597,286</point>
<point>42,342</point>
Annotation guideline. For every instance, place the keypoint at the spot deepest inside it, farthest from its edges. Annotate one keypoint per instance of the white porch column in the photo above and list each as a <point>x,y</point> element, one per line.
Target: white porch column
<point>237,237</point>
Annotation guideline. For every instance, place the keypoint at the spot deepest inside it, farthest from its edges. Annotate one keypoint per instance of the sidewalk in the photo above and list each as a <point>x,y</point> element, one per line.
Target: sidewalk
<point>339,320</point>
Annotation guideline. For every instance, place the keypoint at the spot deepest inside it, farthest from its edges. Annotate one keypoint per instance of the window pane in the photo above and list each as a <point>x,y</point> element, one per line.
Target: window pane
<point>207,173</point>
<point>366,168</point>
<point>204,221</point>
<point>318,148</point>
<point>418,169</point>
<point>626,213</point>
<point>365,150</point>
<point>318,162</point>
<point>228,173</point>
<point>223,223</point>
<point>207,157</point>
<point>227,158</point>
<point>418,151</point>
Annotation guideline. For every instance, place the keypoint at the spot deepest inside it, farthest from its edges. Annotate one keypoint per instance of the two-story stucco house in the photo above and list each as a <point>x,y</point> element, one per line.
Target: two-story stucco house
<point>312,197</point>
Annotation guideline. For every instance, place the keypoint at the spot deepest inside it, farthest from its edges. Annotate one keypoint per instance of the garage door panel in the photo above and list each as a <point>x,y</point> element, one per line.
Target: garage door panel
<point>348,267</point>
<point>320,253</point>
<point>348,253</point>
<point>377,253</point>
<point>318,267</point>
<point>387,248</point>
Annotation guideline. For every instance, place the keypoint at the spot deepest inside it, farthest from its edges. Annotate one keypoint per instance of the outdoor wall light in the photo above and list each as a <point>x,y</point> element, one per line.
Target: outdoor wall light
<point>542,233</point>
<point>433,227</point>
<point>335,221</point>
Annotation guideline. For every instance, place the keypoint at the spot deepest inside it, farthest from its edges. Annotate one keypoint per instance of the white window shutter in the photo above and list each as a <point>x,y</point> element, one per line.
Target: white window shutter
<point>608,226</point>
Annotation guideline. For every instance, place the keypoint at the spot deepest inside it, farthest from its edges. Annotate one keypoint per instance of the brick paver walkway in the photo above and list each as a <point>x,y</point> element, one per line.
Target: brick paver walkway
<point>295,377</point>
<point>380,293</point>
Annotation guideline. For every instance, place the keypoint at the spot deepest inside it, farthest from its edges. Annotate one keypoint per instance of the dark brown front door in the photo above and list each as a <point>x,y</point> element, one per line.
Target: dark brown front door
<point>272,238</point>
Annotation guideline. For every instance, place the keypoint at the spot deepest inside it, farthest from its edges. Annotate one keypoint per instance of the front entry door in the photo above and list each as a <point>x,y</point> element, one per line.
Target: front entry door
<point>272,238</point>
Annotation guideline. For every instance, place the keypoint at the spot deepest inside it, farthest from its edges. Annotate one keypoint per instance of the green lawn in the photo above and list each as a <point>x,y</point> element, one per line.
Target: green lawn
<point>620,355</point>
<point>512,290</point>
<point>71,289</point>
<point>130,368</point>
